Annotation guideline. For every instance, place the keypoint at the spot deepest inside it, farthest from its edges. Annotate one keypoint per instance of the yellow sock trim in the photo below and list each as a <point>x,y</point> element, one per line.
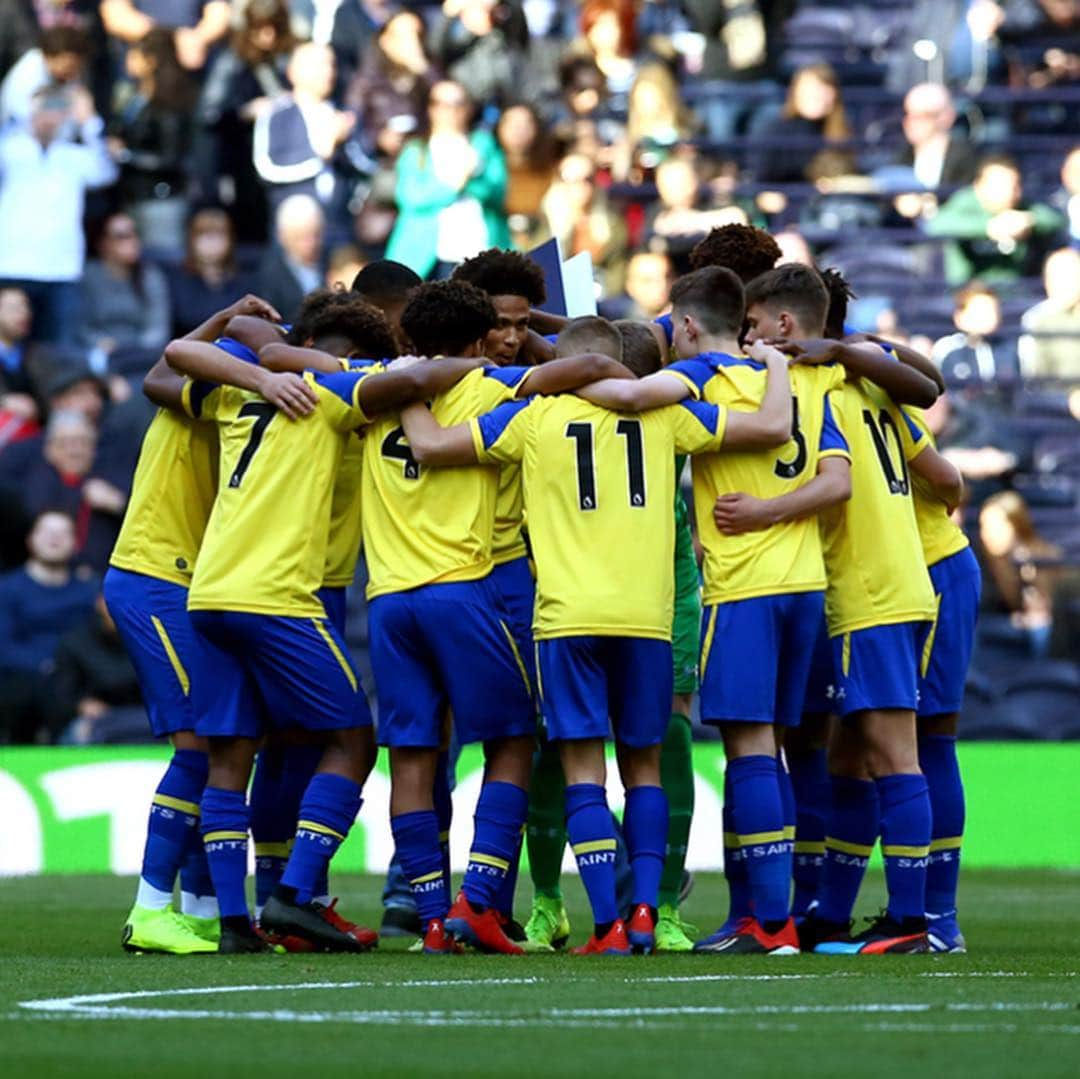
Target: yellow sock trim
<point>332,645</point>
<point>272,850</point>
<point>444,836</point>
<point>170,802</point>
<point>217,837</point>
<point>731,840</point>
<point>808,847</point>
<point>754,838</point>
<point>489,859</point>
<point>174,658</point>
<point>904,852</point>
<point>315,826</point>
<point>848,848</point>
<point>426,877</point>
<point>594,845</point>
<point>953,842</point>
<point>789,831</point>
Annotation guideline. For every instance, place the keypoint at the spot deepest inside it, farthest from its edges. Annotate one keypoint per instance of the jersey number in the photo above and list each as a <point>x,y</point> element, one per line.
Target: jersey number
<point>395,446</point>
<point>788,470</point>
<point>582,434</point>
<point>263,414</point>
<point>879,432</point>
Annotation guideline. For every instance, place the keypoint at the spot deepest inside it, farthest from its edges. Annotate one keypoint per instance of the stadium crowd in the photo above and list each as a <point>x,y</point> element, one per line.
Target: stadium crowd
<point>159,159</point>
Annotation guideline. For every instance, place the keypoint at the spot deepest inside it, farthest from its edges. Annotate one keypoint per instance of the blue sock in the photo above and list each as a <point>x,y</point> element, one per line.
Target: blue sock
<point>810,783</point>
<point>645,824</point>
<point>905,842</point>
<point>196,888</point>
<point>174,819</point>
<point>444,812</point>
<point>734,861</point>
<point>225,820</point>
<point>759,824</point>
<point>500,813</point>
<point>851,832</point>
<point>327,812</point>
<point>937,758</point>
<point>592,838</point>
<point>416,837</point>
<point>504,897</point>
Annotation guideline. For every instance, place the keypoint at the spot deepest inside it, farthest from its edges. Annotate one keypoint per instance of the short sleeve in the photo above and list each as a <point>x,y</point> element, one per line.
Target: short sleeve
<point>339,396</point>
<point>500,435</point>
<point>499,384</point>
<point>237,350</point>
<point>693,373</point>
<point>698,427</point>
<point>833,442</point>
<point>665,324</point>
<point>913,436</point>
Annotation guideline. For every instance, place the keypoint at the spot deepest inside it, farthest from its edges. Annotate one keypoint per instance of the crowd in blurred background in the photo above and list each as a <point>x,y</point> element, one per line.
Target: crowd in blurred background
<point>158,158</point>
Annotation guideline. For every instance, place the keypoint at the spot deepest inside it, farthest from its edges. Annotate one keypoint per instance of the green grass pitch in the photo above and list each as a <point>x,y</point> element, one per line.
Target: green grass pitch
<point>1009,1008</point>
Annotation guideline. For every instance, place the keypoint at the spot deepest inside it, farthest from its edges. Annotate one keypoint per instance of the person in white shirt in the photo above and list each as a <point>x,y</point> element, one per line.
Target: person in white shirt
<point>59,59</point>
<point>44,177</point>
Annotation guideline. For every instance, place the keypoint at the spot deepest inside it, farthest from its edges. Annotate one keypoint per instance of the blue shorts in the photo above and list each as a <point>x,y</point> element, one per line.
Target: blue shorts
<point>755,657</point>
<point>152,620</point>
<point>517,589</point>
<point>592,686</point>
<point>289,672</point>
<point>958,585</point>
<point>447,646</point>
<point>878,667</point>
<point>333,601</point>
<point>821,685</point>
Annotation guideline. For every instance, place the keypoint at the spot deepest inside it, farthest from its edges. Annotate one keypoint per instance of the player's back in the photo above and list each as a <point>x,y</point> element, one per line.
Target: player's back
<point>172,494</point>
<point>873,553</point>
<point>599,487</point>
<point>787,557</point>
<point>428,525</point>
<point>265,548</point>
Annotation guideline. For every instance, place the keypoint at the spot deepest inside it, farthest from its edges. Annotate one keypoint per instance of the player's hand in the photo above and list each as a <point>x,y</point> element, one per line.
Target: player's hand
<point>252,305</point>
<point>289,393</point>
<point>403,362</point>
<point>737,513</point>
<point>765,352</point>
<point>811,351</point>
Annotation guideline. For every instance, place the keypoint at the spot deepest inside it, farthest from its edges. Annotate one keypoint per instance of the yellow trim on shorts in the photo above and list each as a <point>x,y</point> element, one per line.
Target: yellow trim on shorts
<point>539,679</point>
<point>707,641</point>
<point>169,802</point>
<point>489,859</point>
<point>174,658</point>
<point>332,645</point>
<point>928,645</point>
<point>848,848</point>
<point>594,845</point>
<point>845,658</point>
<point>517,657</point>
<point>315,826</point>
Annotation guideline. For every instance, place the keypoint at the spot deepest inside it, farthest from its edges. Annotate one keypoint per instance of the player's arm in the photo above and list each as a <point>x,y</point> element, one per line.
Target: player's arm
<point>636,394</point>
<point>253,331</point>
<point>940,475</point>
<point>275,355</point>
<point>399,386</point>
<point>571,373</point>
<point>433,444</point>
<point>202,362</point>
<point>544,322</point>
<point>536,349</point>
<point>770,425</point>
<point>737,512</point>
<point>905,354</point>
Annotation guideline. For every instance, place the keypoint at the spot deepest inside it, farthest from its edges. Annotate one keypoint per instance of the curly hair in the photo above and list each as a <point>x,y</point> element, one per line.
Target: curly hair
<point>336,312</point>
<point>504,273</point>
<point>445,317</point>
<point>840,293</point>
<point>746,251</point>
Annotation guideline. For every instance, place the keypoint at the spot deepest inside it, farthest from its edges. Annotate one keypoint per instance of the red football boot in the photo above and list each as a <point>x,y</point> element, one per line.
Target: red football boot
<point>437,941</point>
<point>749,938</point>
<point>366,938</point>
<point>480,930</point>
<point>614,943</point>
<point>641,930</point>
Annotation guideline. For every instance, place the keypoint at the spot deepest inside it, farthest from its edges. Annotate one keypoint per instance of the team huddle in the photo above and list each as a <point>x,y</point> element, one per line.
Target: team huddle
<point>532,586</point>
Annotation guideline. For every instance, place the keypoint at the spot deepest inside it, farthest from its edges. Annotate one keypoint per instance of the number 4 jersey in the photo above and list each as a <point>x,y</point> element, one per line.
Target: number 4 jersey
<point>877,573</point>
<point>599,487</point>
<point>785,558</point>
<point>265,547</point>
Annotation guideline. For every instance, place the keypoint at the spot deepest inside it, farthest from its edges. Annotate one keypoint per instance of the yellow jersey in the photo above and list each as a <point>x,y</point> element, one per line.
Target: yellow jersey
<point>599,487</point>
<point>508,540</point>
<point>941,536</point>
<point>265,548</point>
<point>428,525</point>
<point>172,494</point>
<point>873,555</point>
<point>787,557</point>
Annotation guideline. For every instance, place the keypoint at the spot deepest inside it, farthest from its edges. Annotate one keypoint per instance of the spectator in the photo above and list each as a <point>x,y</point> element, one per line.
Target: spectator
<point>389,93</point>
<point>677,217</point>
<point>151,139</point>
<point>992,233</point>
<point>530,168</point>
<point>649,275</point>
<point>937,154</point>
<point>196,25</point>
<point>478,43</point>
<point>353,30</point>
<point>294,266</point>
<point>240,85</point>
<point>208,279</point>
<point>44,178</point>
<point>1019,582</point>
<point>95,684</point>
<point>125,298</point>
<point>656,120</point>
<point>297,139</point>
<point>608,37</point>
<point>17,401</point>
<point>1067,198</point>
<point>344,263</point>
<point>579,216</point>
<point>451,189</point>
<point>976,353</point>
<point>1051,346</point>
<point>813,115</point>
<point>38,603</point>
<point>793,248</point>
<point>58,60</point>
